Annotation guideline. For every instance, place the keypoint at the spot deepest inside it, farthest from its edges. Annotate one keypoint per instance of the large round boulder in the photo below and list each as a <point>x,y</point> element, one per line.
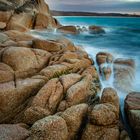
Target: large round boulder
<point>104,114</point>
<point>109,95</point>
<point>25,61</point>
<point>94,132</point>
<point>49,128</point>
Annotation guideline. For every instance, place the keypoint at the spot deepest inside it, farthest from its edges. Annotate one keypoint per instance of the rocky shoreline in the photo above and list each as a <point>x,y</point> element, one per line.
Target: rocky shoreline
<point>49,88</point>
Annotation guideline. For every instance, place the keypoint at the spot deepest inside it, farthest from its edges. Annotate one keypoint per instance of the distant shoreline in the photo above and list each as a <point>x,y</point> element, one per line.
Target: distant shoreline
<point>65,13</point>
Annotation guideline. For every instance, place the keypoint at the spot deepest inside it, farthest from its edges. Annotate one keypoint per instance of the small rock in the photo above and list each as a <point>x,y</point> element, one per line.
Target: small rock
<point>68,30</point>
<point>105,71</point>
<point>96,29</point>
<point>103,57</point>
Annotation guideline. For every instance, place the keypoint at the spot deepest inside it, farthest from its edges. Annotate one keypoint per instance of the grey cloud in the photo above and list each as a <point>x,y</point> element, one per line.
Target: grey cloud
<point>95,5</point>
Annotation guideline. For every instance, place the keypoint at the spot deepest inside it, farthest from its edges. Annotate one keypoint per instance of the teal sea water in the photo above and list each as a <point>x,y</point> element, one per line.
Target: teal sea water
<point>122,38</point>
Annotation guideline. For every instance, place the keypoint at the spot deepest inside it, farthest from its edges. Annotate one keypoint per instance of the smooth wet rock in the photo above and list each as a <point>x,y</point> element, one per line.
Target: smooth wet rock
<point>49,128</point>
<point>128,62</point>
<point>13,132</point>
<point>103,57</point>
<point>96,29</point>
<point>105,71</point>
<point>132,108</point>
<point>68,30</point>
<point>124,70</point>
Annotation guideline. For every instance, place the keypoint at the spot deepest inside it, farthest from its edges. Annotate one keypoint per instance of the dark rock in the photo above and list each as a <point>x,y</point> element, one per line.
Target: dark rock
<point>132,108</point>
<point>68,30</point>
<point>96,29</point>
<point>103,57</point>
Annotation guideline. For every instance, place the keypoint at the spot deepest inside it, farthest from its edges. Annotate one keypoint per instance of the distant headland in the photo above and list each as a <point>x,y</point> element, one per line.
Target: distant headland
<point>70,13</point>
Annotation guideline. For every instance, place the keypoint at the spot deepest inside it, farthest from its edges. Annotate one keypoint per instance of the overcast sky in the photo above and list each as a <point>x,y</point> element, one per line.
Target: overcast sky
<point>125,6</point>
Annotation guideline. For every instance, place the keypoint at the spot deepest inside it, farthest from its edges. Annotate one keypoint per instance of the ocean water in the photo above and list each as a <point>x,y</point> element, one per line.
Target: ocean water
<point>122,40</point>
